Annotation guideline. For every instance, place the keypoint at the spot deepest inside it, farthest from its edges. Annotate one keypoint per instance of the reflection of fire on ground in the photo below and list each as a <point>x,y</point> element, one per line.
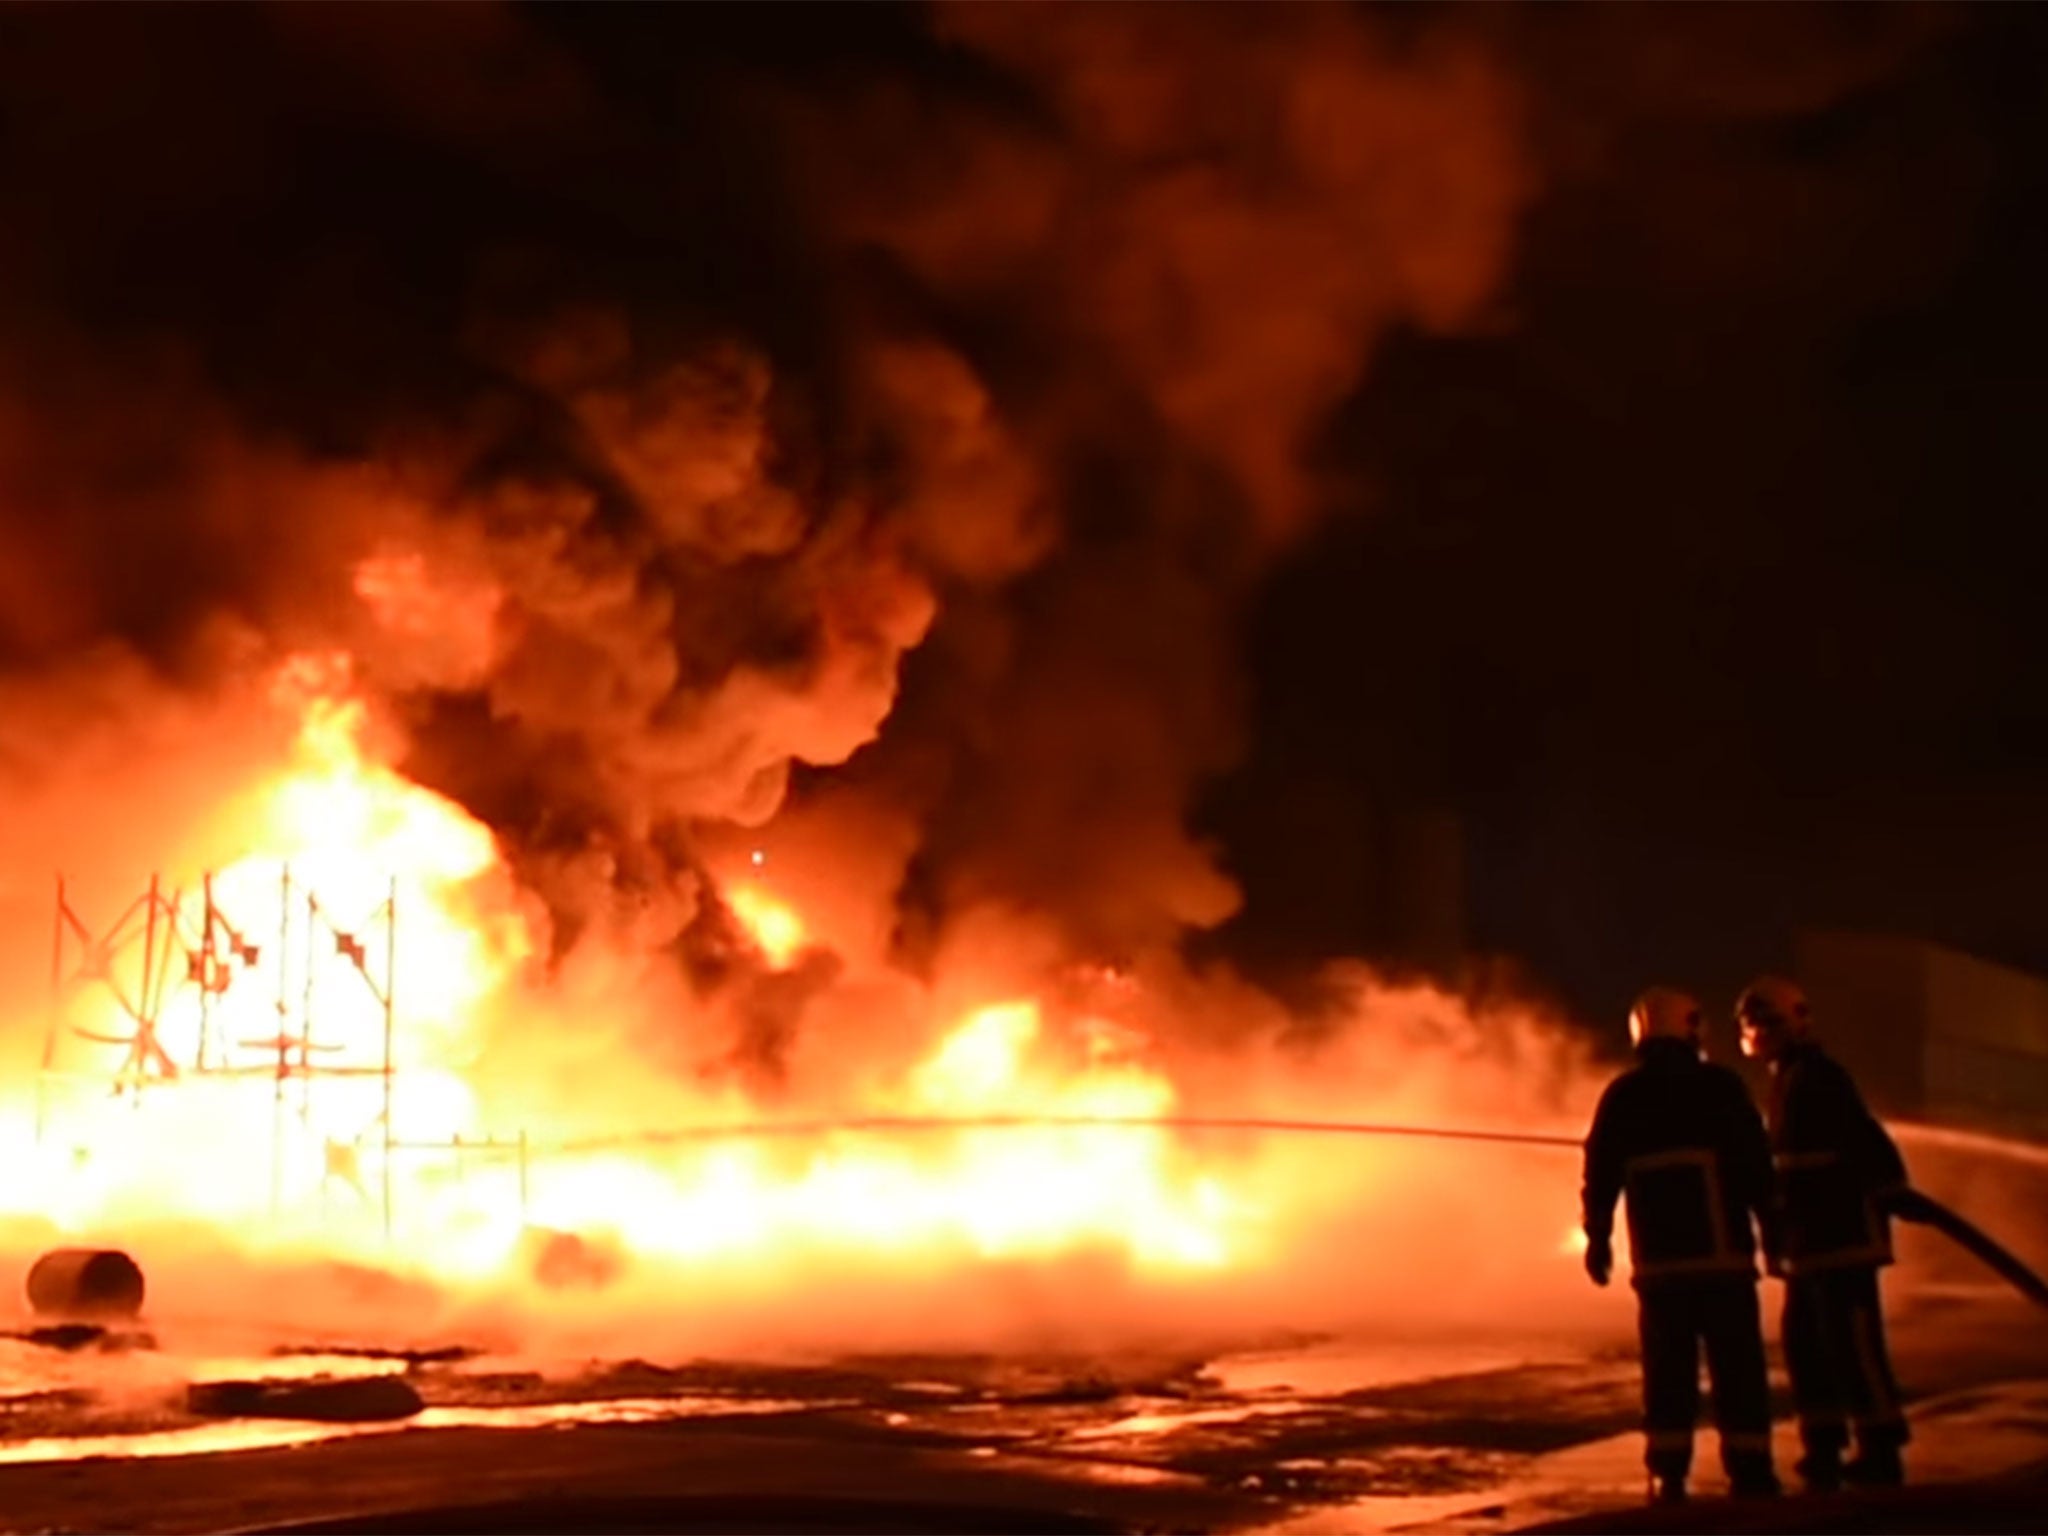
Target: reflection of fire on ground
<point>558,1149</point>
<point>571,626</point>
<point>1300,1435</point>
<point>863,1273</point>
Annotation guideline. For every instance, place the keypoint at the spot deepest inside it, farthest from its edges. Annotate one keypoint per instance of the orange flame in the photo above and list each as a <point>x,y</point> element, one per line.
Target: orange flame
<point>773,925</point>
<point>336,846</point>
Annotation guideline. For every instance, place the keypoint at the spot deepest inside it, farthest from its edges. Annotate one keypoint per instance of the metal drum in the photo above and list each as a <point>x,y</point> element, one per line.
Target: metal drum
<point>85,1283</point>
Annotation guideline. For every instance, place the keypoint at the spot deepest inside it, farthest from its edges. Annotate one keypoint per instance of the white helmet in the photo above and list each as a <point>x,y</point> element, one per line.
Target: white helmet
<point>1665,1013</point>
<point>1772,1013</point>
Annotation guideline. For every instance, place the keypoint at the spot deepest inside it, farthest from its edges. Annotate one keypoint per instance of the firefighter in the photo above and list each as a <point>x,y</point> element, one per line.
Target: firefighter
<point>1681,1139</point>
<point>1836,1170</point>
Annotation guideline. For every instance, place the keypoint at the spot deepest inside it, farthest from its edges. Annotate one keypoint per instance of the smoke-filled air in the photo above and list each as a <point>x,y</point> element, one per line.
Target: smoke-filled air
<point>582,615</point>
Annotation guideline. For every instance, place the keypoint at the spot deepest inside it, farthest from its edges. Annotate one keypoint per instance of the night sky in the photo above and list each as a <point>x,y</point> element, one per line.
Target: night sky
<point>1688,547</point>
<point>1708,585</point>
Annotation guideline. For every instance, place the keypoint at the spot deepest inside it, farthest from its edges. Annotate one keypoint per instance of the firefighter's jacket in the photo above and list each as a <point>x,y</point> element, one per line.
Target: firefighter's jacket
<point>1681,1138</point>
<point>1836,1166</point>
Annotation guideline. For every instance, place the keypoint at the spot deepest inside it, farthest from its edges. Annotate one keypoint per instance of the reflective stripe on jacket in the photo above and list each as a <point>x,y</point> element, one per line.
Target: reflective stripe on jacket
<point>1680,1139</point>
<point>1834,1164</point>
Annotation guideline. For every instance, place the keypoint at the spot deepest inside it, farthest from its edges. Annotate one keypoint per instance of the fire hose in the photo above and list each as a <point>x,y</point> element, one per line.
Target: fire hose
<point>1924,1210</point>
<point>1908,1205</point>
<point>938,1124</point>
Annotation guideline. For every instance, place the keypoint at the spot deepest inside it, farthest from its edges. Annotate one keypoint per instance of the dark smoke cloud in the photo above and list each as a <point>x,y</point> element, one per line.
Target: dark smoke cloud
<point>633,398</point>
<point>884,419</point>
<point>1118,248</point>
<point>1704,572</point>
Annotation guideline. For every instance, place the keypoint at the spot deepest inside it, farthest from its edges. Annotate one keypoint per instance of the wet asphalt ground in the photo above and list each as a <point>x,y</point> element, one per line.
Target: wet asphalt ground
<point>1294,1437</point>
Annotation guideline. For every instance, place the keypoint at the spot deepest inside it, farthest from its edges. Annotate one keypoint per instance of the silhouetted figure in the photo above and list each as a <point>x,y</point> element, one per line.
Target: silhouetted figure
<point>1680,1138</point>
<point>1836,1170</point>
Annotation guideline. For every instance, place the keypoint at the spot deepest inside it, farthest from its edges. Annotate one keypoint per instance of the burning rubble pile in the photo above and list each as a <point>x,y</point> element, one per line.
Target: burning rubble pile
<point>735,651</point>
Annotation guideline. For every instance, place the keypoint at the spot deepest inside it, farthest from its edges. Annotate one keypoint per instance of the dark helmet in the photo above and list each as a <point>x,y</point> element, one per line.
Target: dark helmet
<point>1772,1013</point>
<point>1665,1013</point>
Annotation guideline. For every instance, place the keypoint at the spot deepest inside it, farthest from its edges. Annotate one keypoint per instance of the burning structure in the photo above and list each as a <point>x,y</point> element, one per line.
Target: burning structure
<point>640,647</point>
<point>406,1071</point>
<point>168,969</point>
<point>634,586</point>
<point>573,693</point>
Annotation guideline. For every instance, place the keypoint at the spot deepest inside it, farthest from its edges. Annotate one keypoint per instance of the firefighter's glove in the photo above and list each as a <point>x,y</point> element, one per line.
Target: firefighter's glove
<point>1599,1260</point>
<point>1906,1203</point>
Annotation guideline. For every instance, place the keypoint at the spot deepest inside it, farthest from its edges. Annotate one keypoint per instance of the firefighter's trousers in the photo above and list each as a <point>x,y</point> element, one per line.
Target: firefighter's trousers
<point>1675,1317</point>
<point>1835,1353</point>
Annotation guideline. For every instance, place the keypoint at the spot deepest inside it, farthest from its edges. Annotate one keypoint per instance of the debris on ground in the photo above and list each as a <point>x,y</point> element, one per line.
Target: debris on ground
<point>344,1400</point>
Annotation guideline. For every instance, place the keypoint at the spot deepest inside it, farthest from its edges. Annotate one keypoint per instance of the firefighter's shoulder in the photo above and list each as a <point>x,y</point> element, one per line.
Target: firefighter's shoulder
<point>1819,1075</point>
<point>1624,1084</point>
<point>1618,1096</point>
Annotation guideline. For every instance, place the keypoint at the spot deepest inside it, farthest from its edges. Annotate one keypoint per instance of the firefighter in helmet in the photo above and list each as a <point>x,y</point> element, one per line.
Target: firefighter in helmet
<point>1836,1171</point>
<point>1680,1139</point>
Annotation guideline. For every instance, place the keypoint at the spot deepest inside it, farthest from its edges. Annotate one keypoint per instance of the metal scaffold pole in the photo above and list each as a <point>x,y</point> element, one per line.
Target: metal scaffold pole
<point>144,1024</point>
<point>283,1010</point>
<point>186,937</point>
<point>55,1021</point>
<point>202,969</point>
<point>524,1195</point>
<point>305,1062</point>
<point>390,997</point>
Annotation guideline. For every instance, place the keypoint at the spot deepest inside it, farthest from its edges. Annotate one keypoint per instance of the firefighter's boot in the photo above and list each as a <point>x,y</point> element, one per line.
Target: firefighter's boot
<point>1876,1466</point>
<point>1820,1469</point>
<point>1751,1477</point>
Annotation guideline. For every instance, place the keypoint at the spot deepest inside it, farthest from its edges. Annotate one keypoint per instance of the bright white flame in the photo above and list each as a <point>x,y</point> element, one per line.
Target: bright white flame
<point>773,925</point>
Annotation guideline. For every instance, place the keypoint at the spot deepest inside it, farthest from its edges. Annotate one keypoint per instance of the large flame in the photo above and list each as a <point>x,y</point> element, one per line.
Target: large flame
<point>772,924</point>
<point>283,1097</point>
<point>583,1133</point>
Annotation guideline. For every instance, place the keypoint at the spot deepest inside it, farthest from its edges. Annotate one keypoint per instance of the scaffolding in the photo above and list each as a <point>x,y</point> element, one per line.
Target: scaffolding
<point>160,956</point>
